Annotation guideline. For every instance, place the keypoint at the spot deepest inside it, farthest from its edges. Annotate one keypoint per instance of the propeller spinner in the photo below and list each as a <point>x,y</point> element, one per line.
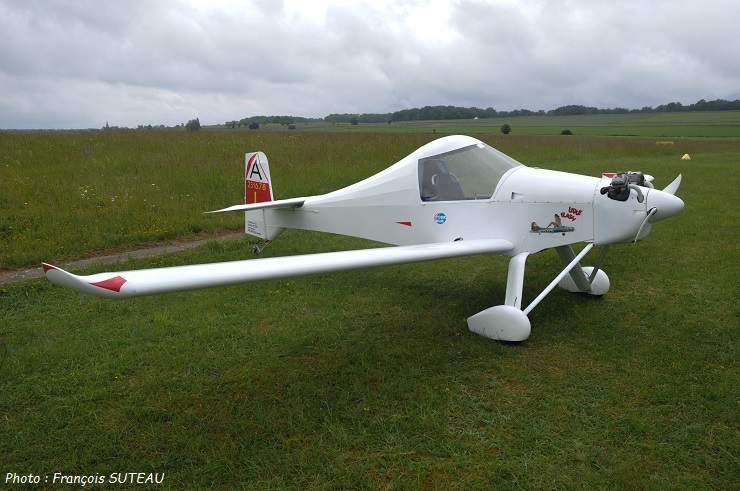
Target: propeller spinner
<point>665,203</point>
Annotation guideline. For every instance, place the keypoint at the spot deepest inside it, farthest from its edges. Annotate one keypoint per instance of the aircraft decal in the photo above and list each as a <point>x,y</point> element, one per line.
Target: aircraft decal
<point>408,224</point>
<point>556,225</point>
<point>113,284</point>
<point>572,213</point>
<point>547,230</point>
<point>440,218</point>
<point>257,185</point>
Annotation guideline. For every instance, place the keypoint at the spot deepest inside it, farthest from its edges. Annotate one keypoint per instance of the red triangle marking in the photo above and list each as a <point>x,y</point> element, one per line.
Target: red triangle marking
<point>408,224</point>
<point>113,284</point>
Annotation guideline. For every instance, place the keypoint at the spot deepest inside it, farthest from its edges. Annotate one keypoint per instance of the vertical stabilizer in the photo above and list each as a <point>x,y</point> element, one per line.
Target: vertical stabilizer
<point>257,185</point>
<point>257,189</point>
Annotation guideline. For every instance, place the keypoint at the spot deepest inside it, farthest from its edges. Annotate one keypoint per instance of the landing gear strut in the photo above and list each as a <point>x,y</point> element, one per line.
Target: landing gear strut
<point>509,322</point>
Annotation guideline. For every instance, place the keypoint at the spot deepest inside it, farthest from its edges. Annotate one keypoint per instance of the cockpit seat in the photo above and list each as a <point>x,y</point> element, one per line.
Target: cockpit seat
<point>439,184</point>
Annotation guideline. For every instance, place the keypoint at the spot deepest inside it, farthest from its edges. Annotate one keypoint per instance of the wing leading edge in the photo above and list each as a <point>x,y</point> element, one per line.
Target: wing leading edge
<point>127,284</point>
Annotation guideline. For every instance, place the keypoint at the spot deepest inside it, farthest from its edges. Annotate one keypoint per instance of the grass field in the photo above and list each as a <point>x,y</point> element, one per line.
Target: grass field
<point>67,195</point>
<point>367,379</point>
<point>724,124</point>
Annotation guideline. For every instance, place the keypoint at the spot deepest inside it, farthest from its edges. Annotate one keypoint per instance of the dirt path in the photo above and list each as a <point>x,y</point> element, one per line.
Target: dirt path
<point>24,274</point>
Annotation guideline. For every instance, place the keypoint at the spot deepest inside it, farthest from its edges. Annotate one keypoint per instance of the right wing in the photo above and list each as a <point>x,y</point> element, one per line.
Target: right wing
<point>126,284</point>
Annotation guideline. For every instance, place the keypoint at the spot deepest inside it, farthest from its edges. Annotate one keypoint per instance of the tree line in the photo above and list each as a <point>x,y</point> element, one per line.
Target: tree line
<point>436,113</point>
<point>432,113</point>
<point>253,122</point>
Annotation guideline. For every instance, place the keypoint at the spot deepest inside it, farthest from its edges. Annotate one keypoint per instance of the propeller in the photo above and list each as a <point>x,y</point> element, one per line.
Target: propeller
<point>673,187</point>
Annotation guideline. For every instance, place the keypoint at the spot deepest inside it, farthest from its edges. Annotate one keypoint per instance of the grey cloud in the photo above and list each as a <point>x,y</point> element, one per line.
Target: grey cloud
<point>82,63</point>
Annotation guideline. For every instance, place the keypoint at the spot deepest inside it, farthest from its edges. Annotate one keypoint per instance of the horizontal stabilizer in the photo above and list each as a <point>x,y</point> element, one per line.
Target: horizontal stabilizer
<point>282,203</point>
<point>126,284</point>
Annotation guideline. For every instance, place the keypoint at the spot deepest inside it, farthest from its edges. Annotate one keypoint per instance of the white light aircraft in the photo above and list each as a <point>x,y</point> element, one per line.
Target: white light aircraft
<point>455,196</point>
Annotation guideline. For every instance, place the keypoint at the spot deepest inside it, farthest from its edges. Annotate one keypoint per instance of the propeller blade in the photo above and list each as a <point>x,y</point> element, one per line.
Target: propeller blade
<point>673,187</point>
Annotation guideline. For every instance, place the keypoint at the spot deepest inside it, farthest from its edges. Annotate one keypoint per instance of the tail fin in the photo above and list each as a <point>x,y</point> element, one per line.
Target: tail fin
<point>257,185</point>
<point>258,189</point>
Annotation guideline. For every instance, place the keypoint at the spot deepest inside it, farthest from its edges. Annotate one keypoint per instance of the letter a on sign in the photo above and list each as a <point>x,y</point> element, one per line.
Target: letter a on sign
<point>257,187</point>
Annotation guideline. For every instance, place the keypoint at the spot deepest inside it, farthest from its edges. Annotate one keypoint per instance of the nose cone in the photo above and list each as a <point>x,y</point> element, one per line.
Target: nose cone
<point>666,204</point>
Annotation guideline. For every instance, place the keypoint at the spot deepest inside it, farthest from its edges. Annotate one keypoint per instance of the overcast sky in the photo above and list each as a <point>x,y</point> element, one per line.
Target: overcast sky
<point>82,63</point>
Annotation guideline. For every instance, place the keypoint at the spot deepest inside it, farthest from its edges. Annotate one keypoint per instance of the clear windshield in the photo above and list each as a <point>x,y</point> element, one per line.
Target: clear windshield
<point>470,172</point>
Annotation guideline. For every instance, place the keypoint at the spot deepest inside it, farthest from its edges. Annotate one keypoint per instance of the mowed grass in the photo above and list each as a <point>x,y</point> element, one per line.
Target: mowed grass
<point>370,379</point>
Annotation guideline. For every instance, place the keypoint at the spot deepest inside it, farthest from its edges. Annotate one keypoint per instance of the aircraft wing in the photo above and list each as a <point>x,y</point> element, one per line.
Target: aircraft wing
<point>127,284</point>
<point>281,203</point>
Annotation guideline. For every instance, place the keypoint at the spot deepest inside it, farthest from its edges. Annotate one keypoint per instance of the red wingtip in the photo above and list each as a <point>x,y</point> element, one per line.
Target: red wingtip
<point>47,267</point>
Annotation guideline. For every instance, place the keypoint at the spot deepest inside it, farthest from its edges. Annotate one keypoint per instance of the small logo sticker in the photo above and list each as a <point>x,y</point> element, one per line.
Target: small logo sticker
<point>440,218</point>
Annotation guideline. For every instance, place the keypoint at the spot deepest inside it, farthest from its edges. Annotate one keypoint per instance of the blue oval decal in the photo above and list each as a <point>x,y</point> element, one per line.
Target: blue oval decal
<point>440,218</point>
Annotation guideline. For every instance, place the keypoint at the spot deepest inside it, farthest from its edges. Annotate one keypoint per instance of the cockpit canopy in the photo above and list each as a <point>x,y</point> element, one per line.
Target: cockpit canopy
<point>467,173</point>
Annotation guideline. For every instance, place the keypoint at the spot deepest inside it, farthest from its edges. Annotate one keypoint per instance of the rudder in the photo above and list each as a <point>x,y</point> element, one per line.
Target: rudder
<point>258,189</point>
<point>257,185</point>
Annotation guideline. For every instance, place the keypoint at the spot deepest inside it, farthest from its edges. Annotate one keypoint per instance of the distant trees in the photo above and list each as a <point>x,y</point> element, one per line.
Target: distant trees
<point>573,110</point>
<point>436,113</point>
<point>361,118</point>
<point>283,120</point>
<point>428,113</point>
<point>242,122</point>
<point>671,107</point>
<point>451,112</point>
<point>506,129</point>
<point>193,124</point>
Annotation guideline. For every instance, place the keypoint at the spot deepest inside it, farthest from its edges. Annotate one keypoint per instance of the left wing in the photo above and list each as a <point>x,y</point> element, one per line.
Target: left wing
<point>127,284</point>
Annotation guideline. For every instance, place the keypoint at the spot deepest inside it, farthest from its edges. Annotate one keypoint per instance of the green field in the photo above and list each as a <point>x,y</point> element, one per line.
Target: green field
<point>367,379</point>
<point>714,124</point>
<point>67,195</point>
